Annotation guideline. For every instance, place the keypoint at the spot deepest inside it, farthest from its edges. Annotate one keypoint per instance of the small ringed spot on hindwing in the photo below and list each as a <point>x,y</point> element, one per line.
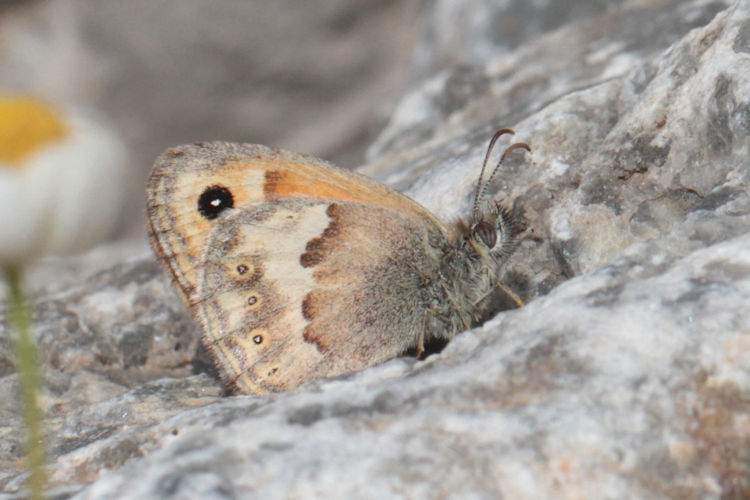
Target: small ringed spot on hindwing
<point>252,300</point>
<point>251,271</point>
<point>214,200</point>
<point>258,339</point>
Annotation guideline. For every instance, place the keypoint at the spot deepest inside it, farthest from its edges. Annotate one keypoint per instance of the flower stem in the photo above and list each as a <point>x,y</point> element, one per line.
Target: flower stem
<point>29,374</point>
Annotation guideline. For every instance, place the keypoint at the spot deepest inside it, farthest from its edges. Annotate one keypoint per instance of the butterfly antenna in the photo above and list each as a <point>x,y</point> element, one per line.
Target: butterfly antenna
<point>511,148</point>
<point>480,187</point>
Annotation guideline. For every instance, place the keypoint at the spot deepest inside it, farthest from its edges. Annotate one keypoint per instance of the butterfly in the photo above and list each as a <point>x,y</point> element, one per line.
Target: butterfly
<point>297,269</point>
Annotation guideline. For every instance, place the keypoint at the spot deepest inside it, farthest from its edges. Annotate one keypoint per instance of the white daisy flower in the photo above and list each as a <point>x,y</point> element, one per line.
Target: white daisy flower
<point>61,179</point>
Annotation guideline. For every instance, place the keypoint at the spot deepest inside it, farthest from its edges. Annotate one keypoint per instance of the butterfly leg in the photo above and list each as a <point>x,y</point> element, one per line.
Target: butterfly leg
<point>420,337</point>
<point>507,291</point>
<point>422,330</point>
<point>515,298</point>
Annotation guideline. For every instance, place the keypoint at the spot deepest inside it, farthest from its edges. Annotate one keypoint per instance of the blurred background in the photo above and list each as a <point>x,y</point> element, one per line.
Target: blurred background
<point>91,91</point>
<point>319,76</point>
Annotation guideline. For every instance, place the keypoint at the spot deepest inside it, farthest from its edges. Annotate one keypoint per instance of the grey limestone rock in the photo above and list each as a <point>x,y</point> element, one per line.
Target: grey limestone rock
<point>626,375</point>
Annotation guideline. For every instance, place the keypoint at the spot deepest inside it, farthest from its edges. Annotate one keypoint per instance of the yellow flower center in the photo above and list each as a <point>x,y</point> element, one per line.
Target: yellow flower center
<point>26,125</point>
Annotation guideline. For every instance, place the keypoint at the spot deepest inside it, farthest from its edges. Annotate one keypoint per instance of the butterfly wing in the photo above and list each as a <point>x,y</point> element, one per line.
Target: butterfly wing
<point>313,271</point>
<point>256,175</point>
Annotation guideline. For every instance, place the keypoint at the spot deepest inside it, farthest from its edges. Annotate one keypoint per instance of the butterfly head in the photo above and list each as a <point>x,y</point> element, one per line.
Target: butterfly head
<point>492,228</point>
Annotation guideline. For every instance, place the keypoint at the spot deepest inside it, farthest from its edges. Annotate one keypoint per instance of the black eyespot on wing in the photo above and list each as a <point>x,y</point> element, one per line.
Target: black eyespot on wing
<point>486,233</point>
<point>214,200</point>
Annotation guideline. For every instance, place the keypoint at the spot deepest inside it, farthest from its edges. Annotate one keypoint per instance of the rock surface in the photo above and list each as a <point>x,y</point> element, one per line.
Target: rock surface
<point>627,375</point>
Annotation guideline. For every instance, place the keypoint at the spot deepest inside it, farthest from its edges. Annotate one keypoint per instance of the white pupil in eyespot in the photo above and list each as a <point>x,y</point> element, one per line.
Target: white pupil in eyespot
<point>216,202</point>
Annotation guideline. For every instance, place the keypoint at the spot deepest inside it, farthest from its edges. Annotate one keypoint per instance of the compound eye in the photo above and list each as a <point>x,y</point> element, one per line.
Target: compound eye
<point>487,233</point>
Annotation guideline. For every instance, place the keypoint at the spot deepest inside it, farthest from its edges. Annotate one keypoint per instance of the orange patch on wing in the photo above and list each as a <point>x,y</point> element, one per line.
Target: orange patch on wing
<point>288,184</point>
